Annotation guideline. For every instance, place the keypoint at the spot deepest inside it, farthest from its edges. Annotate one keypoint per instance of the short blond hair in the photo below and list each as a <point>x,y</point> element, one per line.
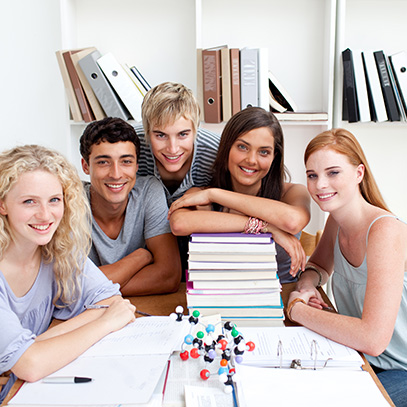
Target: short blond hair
<point>166,103</point>
<point>70,244</point>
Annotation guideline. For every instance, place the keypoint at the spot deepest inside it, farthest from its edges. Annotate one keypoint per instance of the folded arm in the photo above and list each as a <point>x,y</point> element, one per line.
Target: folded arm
<point>162,274</point>
<point>290,215</point>
<point>64,343</point>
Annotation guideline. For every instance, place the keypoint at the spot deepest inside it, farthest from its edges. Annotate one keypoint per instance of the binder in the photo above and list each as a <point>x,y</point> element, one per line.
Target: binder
<point>399,63</point>
<point>93,101</point>
<point>388,95</point>
<point>211,76</point>
<point>226,91</point>
<point>350,97</point>
<point>199,83</point>
<point>374,82</point>
<point>70,93</point>
<point>263,78</point>
<point>395,88</point>
<point>108,99</point>
<point>135,79</point>
<point>235,79</point>
<point>249,87</point>
<point>84,105</point>
<point>141,78</point>
<point>361,88</point>
<point>373,115</point>
<point>122,84</point>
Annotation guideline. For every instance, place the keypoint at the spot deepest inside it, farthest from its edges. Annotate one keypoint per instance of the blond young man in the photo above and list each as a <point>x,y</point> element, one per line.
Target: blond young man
<point>173,147</point>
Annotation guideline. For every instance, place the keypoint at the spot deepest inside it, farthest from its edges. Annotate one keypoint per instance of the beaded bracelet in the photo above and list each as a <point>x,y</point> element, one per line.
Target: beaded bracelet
<point>313,269</point>
<point>255,226</point>
<point>291,305</point>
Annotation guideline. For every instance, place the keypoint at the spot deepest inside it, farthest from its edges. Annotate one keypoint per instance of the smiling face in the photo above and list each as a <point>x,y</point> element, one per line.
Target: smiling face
<point>112,169</point>
<point>250,159</point>
<point>34,208</point>
<point>332,180</point>
<point>172,146</point>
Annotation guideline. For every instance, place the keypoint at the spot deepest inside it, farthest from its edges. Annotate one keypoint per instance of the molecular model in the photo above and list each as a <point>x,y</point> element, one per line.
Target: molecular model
<point>228,347</point>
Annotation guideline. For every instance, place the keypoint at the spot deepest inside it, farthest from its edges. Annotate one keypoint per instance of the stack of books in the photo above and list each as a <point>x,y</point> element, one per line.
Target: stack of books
<point>235,275</point>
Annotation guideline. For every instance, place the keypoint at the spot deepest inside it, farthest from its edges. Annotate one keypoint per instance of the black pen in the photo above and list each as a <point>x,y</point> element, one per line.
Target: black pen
<point>66,379</point>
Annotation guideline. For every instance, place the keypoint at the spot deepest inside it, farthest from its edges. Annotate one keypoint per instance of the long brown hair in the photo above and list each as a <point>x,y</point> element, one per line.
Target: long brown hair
<point>344,142</point>
<point>242,122</point>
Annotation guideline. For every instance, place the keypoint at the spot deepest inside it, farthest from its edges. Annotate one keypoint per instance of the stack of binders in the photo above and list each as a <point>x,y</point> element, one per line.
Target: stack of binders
<point>235,275</point>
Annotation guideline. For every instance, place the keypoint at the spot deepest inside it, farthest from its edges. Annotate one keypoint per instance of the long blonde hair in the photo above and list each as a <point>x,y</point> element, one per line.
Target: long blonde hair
<point>344,142</point>
<point>70,243</point>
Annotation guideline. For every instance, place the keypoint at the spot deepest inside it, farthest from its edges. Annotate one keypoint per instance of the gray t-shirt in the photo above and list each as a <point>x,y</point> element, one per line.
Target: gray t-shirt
<point>146,217</point>
<point>24,318</point>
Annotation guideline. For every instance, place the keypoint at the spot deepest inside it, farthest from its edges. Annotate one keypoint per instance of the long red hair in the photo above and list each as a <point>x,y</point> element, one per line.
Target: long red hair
<point>344,142</point>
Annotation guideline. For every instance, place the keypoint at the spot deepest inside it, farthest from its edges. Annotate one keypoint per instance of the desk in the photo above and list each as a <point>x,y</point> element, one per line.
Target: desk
<point>164,304</point>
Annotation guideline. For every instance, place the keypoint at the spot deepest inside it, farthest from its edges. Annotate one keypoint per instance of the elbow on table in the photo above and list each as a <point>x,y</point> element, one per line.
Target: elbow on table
<point>179,225</point>
<point>170,282</point>
<point>375,347</point>
<point>29,369</point>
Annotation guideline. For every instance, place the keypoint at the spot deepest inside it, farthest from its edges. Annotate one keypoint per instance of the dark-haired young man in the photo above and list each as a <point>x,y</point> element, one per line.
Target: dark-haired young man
<point>131,238</point>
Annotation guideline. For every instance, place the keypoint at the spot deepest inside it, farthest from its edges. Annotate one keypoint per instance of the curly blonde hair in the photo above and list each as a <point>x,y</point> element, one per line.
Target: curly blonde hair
<point>70,243</point>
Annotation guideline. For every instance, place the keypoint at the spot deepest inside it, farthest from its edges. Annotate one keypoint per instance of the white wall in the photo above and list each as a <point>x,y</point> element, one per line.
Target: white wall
<point>33,107</point>
<point>32,101</point>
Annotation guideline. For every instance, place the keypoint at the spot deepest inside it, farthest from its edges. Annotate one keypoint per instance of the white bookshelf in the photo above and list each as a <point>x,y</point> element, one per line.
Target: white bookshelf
<point>161,38</point>
<point>375,25</point>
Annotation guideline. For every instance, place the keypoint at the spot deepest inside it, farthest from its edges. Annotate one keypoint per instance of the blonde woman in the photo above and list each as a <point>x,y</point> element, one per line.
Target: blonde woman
<point>44,270</point>
<point>364,248</point>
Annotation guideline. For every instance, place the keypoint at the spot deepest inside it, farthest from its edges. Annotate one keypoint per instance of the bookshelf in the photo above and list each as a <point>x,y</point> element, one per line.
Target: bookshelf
<point>161,38</point>
<point>375,25</point>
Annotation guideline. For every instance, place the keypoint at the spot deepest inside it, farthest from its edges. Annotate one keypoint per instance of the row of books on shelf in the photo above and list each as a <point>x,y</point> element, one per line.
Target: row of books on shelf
<point>374,86</point>
<point>231,79</point>
<point>98,85</point>
<point>235,275</point>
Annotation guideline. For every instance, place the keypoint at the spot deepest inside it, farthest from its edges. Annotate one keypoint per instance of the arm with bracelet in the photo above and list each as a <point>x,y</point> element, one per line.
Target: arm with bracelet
<point>316,272</point>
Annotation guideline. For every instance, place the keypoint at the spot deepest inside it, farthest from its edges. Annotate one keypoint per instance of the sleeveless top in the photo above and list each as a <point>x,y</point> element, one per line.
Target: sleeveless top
<point>349,287</point>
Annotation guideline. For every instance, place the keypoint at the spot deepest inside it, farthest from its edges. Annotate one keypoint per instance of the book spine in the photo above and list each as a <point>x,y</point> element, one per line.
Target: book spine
<point>350,96</point>
<point>249,77</point>
<point>86,110</point>
<point>235,79</point>
<point>388,95</point>
<point>211,76</point>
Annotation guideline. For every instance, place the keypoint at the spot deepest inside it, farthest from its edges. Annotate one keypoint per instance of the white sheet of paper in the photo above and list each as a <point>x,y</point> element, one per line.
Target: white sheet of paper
<point>197,396</point>
<point>186,373</point>
<point>315,388</point>
<point>117,380</point>
<point>144,336</point>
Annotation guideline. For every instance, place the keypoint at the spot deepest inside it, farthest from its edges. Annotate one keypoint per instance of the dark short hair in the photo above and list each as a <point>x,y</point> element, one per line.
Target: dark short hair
<point>242,122</point>
<point>110,129</point>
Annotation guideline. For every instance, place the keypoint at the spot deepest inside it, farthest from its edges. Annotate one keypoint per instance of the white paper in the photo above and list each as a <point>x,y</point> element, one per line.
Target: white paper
<point>197,396</point>
<point>290,387</point>
<point>296,344</point>
<point>144,336</point>
<point>186,373</point>
<point>117,380</point>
